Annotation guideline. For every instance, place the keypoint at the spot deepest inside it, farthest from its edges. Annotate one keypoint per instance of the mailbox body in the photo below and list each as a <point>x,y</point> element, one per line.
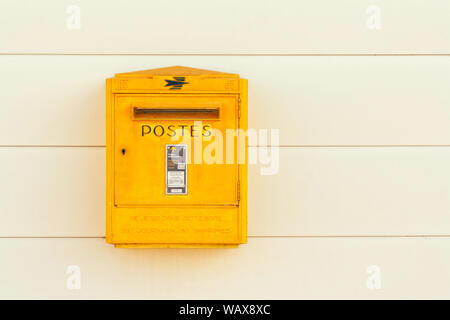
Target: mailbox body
<point>170,181</point>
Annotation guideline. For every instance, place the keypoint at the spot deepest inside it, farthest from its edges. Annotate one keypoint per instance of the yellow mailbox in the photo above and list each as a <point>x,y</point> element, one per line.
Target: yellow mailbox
<point>176,158</point>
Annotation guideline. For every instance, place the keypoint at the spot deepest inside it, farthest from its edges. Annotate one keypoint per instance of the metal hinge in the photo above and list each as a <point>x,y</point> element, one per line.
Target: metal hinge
<point>239,191</point>
<point>239,107</point>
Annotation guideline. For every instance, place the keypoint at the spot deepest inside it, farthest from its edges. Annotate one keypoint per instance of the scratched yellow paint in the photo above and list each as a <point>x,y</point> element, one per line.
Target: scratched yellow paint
<point>149,112</point>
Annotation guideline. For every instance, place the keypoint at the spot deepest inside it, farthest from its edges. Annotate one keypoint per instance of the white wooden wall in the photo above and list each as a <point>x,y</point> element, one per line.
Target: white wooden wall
<point>364,120</point>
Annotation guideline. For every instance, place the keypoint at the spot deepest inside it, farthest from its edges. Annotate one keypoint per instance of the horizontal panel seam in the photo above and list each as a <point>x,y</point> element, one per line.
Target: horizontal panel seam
<point>255,237</point>
<point>231,54</point>
<point>259,146</point>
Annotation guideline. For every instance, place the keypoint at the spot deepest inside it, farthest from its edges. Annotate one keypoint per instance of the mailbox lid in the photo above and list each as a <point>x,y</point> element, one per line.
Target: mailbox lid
<point>144,127</point>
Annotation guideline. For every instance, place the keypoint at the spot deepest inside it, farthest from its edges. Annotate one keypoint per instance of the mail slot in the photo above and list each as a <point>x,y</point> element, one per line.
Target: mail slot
<point>176,159</point>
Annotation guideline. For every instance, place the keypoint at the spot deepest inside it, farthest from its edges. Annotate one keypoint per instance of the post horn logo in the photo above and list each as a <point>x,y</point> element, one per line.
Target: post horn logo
<point>176,84</point>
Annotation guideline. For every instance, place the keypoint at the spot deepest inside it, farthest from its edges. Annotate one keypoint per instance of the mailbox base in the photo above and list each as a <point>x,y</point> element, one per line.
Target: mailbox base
<point>176,227</point>
<point>176,245</point>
